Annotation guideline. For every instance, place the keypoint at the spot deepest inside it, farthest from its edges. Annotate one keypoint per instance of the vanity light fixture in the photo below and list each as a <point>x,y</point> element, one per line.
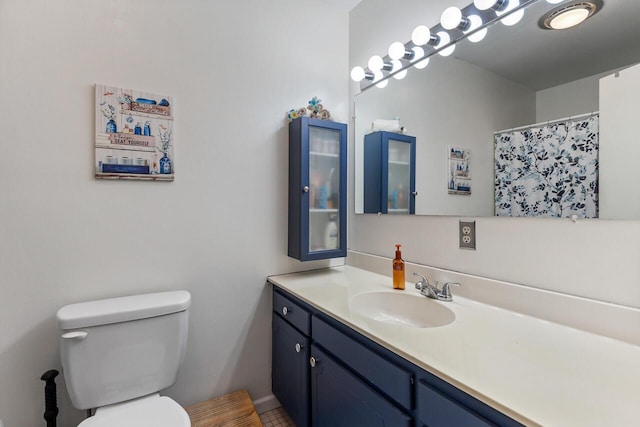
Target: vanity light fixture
<point>475,22</point>
<point>419,61</point>
<point>569,15</point>
<point>455,24</point>
<point>514,17</point>
<point>452,18</point>
<point>490,4</point>
<point>398,51</point>
<point>445,39</point>
<point>421,36</point>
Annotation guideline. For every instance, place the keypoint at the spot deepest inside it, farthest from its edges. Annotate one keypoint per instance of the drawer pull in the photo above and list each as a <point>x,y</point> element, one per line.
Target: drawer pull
<point>285,310</point>
<point>299,347</point>
<point>313,361</point>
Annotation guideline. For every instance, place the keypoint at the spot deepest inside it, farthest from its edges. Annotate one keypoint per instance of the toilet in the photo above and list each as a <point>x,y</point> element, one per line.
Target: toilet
<point>118,353</point>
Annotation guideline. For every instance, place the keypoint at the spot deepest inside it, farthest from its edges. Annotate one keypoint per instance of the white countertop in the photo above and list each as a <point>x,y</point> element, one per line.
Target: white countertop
<point>537,372</point>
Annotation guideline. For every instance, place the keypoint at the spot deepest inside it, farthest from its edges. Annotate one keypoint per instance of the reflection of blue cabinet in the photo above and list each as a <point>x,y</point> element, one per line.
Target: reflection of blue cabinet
<point>317,189</point>
<point>389,173</point>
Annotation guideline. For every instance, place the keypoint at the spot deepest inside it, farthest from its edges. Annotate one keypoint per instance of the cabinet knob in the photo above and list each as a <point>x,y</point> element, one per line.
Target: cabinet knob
<point>305,189</point>
<point>299,347</point>
<point>313,361</point>
<point>414,194</point>
<point>285,311</point>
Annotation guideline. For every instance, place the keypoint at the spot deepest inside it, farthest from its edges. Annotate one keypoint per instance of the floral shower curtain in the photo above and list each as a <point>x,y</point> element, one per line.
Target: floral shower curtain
<point>548,170</point>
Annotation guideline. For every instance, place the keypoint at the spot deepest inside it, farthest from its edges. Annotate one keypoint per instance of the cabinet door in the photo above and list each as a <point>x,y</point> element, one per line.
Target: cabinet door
<point>340,399</point>
<point>389,173</point>
<point>317,189</point>
<point>290,370</point>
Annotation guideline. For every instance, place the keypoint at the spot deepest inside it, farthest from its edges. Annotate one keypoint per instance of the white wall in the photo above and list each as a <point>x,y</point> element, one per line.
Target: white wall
<point>593,258</point>
<point>570,99</point>
<point>234,68</point>
<point>619,144</point>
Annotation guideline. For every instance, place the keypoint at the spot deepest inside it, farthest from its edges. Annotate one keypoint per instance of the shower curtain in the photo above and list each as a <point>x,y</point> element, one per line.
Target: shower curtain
<point>548,170</point>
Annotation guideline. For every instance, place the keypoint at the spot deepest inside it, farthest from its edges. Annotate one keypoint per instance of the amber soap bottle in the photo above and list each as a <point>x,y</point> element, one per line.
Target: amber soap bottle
<point>398,270</point>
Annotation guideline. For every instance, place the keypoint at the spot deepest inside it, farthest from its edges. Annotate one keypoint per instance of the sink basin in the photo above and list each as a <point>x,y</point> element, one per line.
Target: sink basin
<point>401,309</point>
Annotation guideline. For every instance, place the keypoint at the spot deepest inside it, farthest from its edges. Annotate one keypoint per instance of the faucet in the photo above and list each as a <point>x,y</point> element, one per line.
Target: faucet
<point>431,291</point>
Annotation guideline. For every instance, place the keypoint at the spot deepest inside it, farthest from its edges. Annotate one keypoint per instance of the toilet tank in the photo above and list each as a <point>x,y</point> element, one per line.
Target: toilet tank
<point>118,349</point>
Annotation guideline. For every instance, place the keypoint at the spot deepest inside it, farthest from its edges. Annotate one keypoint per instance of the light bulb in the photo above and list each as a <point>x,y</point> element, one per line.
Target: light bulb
<point>451,18</point>
<point>515,17</point>
<point>444,40</point>
<point>476,22</point>
<point>396,50</point>
<point>554,1</point>
<point>357,74</point>
<point>382,84</point>
<point>375,63</point>
<point>569,19</point>
<point>396,66</point>
<point>419,61</point>
<point>420,35</point>
<point>484,4</point>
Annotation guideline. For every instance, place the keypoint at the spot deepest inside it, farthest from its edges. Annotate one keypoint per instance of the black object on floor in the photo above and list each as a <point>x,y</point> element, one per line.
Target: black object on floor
<point>50,398</point>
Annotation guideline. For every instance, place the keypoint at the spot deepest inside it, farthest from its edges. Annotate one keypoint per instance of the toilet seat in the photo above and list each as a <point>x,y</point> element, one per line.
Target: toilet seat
<point>148,411</point>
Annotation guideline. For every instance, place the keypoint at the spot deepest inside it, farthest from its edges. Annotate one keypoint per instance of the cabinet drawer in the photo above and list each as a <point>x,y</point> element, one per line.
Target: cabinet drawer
<point>436,409</point>
<point>292,312</point>
<point>389,378</point>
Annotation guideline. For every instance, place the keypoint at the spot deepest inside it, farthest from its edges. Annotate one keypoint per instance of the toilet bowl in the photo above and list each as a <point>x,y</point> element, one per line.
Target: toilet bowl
<point>117,354</point>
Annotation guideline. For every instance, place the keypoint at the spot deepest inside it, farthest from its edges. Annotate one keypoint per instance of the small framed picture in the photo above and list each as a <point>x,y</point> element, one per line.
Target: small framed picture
<point>134,135</point>
<point>459,170</point>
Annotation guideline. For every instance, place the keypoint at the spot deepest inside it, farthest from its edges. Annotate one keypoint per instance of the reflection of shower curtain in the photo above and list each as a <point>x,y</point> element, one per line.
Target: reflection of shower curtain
<point>548,170</point>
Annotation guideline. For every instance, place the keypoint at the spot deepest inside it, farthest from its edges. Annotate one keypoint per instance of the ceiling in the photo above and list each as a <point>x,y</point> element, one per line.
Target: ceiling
<point>541,59</point>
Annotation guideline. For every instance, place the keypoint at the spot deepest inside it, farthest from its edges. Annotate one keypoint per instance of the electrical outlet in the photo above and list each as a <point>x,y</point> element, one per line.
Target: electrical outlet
<point>468,235</point>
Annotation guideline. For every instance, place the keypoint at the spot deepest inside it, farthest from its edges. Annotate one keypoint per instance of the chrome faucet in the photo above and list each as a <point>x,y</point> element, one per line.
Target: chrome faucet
<point>431,291</point>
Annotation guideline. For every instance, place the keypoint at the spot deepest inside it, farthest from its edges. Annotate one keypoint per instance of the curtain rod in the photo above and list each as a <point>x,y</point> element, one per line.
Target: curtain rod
<point>566,119</point>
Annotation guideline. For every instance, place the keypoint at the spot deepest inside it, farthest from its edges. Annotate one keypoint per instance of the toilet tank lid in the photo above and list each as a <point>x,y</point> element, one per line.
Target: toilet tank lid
<point>122,309</point>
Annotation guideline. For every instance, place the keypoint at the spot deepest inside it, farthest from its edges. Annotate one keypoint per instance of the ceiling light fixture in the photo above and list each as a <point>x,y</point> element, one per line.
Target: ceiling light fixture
<point>569,15</point>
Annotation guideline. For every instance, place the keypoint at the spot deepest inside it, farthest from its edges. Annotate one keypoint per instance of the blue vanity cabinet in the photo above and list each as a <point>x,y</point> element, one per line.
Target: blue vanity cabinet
<point>348,380</point>
<point>317,189</point>
<point>291,323</point>
<point>389,173</point>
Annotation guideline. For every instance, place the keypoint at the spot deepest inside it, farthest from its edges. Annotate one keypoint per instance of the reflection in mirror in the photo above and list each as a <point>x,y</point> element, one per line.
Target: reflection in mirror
<point>518,76</point>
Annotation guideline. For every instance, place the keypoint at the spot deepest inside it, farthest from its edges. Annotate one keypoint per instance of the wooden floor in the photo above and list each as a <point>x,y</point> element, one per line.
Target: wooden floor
<point>230,410</point>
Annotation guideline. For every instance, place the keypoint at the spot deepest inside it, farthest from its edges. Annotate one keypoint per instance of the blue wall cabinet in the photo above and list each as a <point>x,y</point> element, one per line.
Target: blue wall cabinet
<point>349,380</point>
<point>317,189</point>
<point>389,173</point>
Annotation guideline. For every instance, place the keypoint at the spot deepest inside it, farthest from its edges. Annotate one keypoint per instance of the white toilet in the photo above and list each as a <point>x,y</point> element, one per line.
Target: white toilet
<point>118,353</point>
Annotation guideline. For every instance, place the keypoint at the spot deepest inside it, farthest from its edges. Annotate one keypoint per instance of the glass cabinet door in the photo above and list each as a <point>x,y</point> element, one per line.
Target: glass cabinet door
<point>324,189</point>
<point>317,189</point>
<point>399,177</point>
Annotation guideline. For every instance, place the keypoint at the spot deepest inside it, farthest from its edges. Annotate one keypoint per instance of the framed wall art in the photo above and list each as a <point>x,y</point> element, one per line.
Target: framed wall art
<point>134,135</point>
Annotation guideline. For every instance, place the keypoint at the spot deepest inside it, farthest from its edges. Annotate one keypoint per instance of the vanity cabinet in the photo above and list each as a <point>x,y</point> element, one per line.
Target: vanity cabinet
<point>290,358</point>
<point>389,173</point>
<point>349,380</point>
<point>317,189</point>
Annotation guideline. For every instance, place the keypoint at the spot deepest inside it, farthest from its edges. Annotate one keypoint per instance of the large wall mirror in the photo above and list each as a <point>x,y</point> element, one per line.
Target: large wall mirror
<point>518,77</point>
